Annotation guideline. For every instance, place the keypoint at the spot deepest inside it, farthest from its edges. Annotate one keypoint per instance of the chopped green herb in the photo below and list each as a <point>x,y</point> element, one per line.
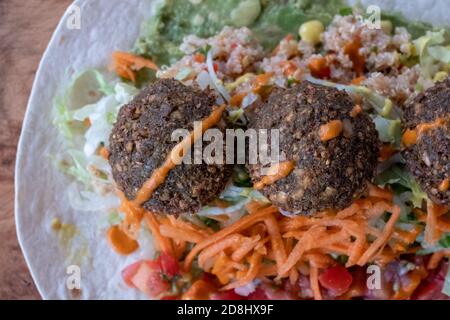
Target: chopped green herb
<point>346,11</point>
<point>445,241</point>
<point>210,223</point>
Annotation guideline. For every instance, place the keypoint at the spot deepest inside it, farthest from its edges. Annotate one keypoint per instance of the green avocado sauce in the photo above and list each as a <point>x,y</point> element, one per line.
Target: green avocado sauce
<point>270,20</point>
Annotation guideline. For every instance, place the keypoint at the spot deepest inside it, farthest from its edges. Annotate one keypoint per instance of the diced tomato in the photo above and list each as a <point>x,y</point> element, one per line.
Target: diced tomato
<point>149,280</point>
<point>226,295</point>
<point>215,66</point>
<point>358,288</point>
<point>258,294</point>
<point>169,265</point>
<point>337,279</point>
<point>129,272</point>
<point>156,285</point>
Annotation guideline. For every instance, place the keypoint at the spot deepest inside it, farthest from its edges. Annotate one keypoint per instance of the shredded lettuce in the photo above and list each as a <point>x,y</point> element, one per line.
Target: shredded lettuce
<point>433,51</point>
<point>238,197</point>
<point>102,116</point>
<point>401,181</point>
<point>389,131</point>
<point>89,97</point>
<point>382,105</point>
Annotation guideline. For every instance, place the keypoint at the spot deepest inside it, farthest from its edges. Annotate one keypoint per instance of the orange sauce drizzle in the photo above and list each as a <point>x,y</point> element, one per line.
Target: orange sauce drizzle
<point>444,185</point>
<point>410,136</point>
<point>355,111</point>
<point>330,130</point>
<point>160,174</point>
<point>120,241</point>
<point>122,237</point>
<point>275,172</point>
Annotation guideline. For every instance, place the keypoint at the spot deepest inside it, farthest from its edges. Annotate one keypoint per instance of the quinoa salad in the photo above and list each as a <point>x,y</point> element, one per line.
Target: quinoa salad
<point>364,112</point>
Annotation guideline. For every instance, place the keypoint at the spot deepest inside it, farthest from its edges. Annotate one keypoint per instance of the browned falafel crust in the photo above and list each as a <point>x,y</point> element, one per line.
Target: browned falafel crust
<point>429,158</point>
<point>327,174</point>
<point>141,140</point>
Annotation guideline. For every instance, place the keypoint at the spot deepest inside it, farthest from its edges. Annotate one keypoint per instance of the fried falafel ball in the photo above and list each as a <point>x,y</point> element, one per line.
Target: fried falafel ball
<point>327,174</point>
<point>429,158</point>
<point>141,140</point>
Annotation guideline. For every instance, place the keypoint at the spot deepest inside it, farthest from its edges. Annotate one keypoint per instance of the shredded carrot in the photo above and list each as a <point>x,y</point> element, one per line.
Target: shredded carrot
<point>330,130</point>
<point>180,234</point>
<point>355,110</point>
<point>319,260</point>
<point>436,258</point>
<point>293,276</point>
<point>261,81</point>
<point>288,67</point>
<point>357,250</point>
<point>236,100</point>
<point>444,185</point>
<point>358,80</point>
<point>407,236</point>
<point>131,224</point>
<point>377,192</point>
<point>87,122</point>
<point>163,243</point>
<point>407,289</point>
<point>231,240</point>
<point>254,206</point>
<point>382,239</point>
<point>314,281</point>
<point>432,232</point>
<point>236,227</point>
<point>319,67</point>
<point>247,246</point>
<point>386,151</point>
<point>276,241</point>
<point>443,224</point>
<point>125,64</point>
<point>250,275</point>
<point>267,244</point>
<point>199,57</point>
<point>352,50</point>
<point>296,254</point>
<point>104,153</point>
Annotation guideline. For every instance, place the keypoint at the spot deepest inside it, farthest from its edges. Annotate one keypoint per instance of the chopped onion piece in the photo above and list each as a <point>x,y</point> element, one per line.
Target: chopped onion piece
<point>215,82</point>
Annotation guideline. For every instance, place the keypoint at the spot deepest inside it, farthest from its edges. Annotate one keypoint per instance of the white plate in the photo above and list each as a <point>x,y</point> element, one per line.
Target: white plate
<point>106,25</point>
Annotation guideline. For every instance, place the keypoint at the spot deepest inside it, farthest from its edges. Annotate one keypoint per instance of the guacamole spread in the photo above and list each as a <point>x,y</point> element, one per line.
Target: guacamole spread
<point>270,20</point>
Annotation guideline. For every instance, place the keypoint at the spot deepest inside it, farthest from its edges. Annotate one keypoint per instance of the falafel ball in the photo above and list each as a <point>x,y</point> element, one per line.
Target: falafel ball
<point>429,158</point>
<point>327,174</point>
<point>141,140</point>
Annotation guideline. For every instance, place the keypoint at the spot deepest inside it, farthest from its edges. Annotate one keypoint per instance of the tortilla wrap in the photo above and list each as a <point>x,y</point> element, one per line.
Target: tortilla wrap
<point>106,25</point>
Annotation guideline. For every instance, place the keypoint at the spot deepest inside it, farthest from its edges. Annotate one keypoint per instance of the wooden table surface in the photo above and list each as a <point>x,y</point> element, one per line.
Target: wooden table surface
<point>25,29</point>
